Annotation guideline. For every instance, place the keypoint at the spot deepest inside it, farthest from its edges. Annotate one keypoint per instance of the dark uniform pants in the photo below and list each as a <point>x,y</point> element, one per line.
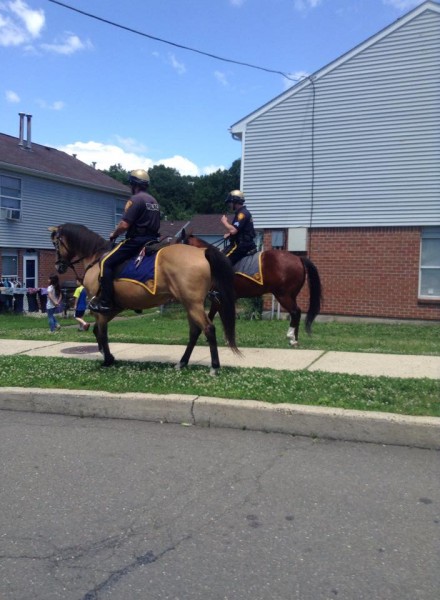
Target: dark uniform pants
<point>120,253</point>
<point>236,252</point>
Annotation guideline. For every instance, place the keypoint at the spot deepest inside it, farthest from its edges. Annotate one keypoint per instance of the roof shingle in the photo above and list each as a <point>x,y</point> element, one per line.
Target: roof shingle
<point>46,162</point>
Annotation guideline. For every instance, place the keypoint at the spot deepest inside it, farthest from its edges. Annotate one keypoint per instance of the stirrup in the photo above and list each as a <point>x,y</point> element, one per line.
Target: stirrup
<point>100,306</point>
<point>214,296</point>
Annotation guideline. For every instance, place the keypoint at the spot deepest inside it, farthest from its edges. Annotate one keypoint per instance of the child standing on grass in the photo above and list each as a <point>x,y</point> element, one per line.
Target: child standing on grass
<point>80,306</point>
<point>54,298</point>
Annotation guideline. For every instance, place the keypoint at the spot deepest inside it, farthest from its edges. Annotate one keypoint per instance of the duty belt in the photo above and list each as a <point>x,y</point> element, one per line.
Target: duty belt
<point>144,231</point>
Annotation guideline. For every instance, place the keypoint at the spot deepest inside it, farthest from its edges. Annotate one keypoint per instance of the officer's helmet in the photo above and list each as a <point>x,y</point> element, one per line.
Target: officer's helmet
<point>139,177</point>
<point>236,197</point>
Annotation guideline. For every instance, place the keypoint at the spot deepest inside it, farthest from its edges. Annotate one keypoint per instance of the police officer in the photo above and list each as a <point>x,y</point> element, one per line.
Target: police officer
<point>241,233</point>
<point>140,223</point>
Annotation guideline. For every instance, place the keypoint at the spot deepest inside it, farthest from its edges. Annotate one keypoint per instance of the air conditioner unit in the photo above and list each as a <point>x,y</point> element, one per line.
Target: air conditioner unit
<point>12,214</point>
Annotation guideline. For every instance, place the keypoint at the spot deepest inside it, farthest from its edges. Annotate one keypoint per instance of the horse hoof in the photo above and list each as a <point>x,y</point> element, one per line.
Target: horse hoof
<point>180,365</point>
<point>213,372</point>
<point>108,362</point>
<point>293,343</point>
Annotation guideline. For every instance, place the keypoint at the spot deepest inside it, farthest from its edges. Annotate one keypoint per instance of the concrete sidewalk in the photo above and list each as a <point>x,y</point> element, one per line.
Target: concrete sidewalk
<point>328,423</point>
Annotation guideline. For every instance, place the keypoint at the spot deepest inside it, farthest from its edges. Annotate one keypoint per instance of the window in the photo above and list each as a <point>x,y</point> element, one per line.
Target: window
<point>430,263</point>
<point>10,197</point>
<point>119,210</point>
<point>278,239</point>
<point>9,264</point>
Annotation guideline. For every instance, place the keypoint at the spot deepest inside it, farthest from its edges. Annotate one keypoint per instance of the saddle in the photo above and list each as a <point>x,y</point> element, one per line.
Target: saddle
<point>250,267</point>
<point>153,247</point>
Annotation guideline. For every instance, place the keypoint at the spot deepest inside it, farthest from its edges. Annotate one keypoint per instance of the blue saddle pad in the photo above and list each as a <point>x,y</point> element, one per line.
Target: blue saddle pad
<point>141,273</point>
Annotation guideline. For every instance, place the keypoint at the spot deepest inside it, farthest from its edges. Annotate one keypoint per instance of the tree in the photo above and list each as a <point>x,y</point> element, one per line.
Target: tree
<point>173,191</point>
<point>118,173</point>
<point>182,196</point>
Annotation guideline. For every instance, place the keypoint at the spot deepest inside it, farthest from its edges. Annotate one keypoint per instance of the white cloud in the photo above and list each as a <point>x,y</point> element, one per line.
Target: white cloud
<point>68,44</point>
<point>303,5</point>
<point>57,105</point>
<point>181,164</point>
<point>19,24</point>
<point>106,155</point>
<point>178,66</point>
<point>130,144</point>
<point>221,78</point>
<point>12,97</point>
<point>403,4</point>
<point>212,169</point>
<point>33,19</point>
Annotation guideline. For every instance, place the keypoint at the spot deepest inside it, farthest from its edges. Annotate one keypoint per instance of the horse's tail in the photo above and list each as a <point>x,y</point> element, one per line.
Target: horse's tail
<point>315,290</point>
<point>223,276</point>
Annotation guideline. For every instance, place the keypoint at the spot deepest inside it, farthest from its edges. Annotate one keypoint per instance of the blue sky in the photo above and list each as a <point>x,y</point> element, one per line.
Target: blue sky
<point>111,96</point>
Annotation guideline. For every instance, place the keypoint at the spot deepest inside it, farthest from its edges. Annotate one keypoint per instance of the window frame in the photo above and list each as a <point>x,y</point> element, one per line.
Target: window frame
<point>8,202</point>
<point>118,213</point>
<point>9,253</point>
<point>428,233</point>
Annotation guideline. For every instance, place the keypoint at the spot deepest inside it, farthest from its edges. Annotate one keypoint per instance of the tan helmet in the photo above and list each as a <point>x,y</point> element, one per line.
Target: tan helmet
<point>139,177</point>
<point>235,197</point>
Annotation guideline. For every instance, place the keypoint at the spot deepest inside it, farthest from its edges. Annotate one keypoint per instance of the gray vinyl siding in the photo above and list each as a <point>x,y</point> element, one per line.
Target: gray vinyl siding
<point>46,202</point>
<point>376,140</point>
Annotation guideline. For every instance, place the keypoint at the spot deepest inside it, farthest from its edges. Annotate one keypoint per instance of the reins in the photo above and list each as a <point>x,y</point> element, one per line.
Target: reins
<point>71,263</point>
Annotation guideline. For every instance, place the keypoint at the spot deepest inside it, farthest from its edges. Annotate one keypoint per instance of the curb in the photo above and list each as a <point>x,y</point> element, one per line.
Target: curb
<point>292,419</point>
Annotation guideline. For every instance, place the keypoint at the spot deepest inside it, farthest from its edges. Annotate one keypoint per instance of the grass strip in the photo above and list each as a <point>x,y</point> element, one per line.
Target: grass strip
<point>400,396</point>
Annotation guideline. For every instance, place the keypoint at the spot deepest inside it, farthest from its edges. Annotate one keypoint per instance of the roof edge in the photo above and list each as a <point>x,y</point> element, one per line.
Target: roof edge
<point>54,177</point>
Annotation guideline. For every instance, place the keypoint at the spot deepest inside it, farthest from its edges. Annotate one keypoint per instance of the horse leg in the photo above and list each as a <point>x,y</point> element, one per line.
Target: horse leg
<point>100,331</point>
<point>213,348</point>
<point>213,310</point>
<point>293,331</point>
<point>194,333</point>
<point>294,311</point>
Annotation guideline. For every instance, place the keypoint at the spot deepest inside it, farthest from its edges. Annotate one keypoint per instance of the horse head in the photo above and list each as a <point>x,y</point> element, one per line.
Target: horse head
<point>64,257</point>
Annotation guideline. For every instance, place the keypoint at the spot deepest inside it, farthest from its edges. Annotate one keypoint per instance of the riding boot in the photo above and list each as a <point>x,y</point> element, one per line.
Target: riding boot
<point>103,303</point>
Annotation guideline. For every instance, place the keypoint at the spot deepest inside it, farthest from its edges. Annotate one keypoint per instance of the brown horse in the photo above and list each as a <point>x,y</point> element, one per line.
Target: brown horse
<point>183,274</point>
<point>283,275</point>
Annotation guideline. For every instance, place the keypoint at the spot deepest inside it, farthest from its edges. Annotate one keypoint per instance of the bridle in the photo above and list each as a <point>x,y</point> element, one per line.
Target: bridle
<point>64,263</point>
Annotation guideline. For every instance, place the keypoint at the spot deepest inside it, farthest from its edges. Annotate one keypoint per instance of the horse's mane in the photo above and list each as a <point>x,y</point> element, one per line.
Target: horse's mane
<point>83,240</point>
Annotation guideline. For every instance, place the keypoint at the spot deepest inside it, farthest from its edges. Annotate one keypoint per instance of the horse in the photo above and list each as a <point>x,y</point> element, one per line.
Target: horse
<point>283,274</point>
<point>185,274</point>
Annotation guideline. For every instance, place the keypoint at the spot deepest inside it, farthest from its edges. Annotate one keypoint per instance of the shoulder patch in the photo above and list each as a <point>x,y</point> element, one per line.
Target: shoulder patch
<point>241,216</point>
<point>128,204</point>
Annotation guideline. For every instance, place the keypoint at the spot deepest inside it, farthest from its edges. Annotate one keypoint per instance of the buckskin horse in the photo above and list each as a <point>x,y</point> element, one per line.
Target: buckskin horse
<point>185,274</point>
<point>282,274</point>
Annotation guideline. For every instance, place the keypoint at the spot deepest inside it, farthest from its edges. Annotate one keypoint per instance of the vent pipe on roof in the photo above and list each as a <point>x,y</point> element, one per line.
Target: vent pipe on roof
<point>28,139</point>
<point>20,141</point>
<point>21,134</point>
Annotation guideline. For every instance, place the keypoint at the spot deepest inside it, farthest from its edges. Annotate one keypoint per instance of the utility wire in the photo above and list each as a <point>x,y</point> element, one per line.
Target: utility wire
<point>157,39</point>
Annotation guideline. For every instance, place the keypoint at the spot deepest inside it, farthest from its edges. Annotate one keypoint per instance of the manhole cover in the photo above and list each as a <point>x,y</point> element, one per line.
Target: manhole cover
<point>80,350</point>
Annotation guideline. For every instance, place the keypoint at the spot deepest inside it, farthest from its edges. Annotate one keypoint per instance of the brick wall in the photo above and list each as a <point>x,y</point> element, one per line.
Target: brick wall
<point>371,272</point>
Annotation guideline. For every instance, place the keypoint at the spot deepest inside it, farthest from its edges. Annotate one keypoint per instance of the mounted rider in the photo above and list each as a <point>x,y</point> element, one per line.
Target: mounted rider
<point>141,223</point>
<point>240,233</point>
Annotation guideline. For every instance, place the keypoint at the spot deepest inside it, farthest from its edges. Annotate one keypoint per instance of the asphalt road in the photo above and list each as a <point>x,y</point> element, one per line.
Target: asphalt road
<point>97,509</point>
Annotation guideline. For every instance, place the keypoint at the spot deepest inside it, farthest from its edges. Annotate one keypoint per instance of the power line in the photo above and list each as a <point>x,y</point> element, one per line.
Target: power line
<point>157,39</point>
